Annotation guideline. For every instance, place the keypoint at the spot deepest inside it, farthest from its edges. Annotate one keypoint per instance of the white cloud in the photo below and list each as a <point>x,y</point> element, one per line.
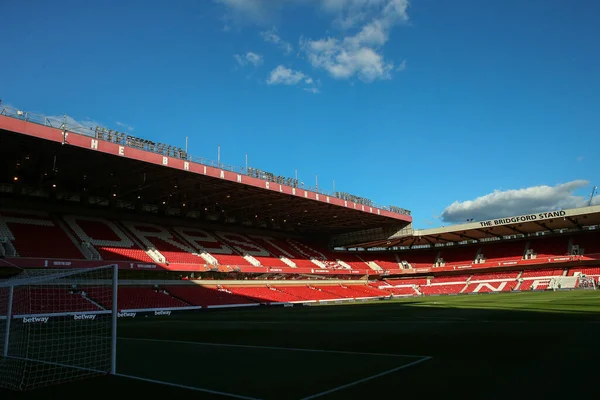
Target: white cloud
<point>271,36</point>
<point>254,59</point>
<point>505,203</point>
<point>359,54</point>
<point>342,62</point>
<point>248,58</point>
<point>350,21</point>
<point>239,59</point>
<point>55,121</point>
<point>356,51</point>
<point>253,11</point>
<point>84,125</point>
<point>281,75</point>
<point>402,66</point>
<point>125,126</point>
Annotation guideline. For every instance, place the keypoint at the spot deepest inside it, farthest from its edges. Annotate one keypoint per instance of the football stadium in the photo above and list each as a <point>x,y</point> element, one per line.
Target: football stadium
<point>148,270</point>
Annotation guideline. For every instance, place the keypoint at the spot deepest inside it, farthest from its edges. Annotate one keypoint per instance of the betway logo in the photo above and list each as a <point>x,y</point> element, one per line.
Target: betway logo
<point>89,317</point>
<point>162,312</point>
<point>146,266</point>
<point>33,320</point>
<point>126,315</point>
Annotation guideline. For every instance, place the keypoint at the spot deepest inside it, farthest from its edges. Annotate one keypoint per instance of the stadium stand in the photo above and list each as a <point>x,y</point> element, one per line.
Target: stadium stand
<point>459,255</point>
<point>307,292</point>
<point>402,291</point>
<point>264,293</point>
<point>41,235</point>
<point>550,247</point>
<point>172,248</point>
<point>207,296</point>
<point>447,288</point>
<point>535,284</point>
<point>492,276</point>
<point>390,289</point>
<point>140,296</point>
<point>384,261</point>
<point>585,270</point>
<point>54,300</point>
<point>542,273</point>
<point>144,297</point>
<point>588,243</point>
<point>506,251</point>
<point>369,291</point>
<point>79,237</point>
<point>340,291</point>
<point>214,244</point>
<point>36,234</point>
<point>449,279</point>
<point>111,242</point>
<point>248,248</point>
<point>407,281</point>
<point>491,286</point>
<point>419,258</point>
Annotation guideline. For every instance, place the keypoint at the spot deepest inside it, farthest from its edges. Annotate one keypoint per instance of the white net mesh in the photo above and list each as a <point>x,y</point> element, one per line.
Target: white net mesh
<point>55,326</point>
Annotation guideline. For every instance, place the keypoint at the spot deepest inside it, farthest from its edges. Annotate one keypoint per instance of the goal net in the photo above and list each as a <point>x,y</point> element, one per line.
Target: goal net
<point>57,326</point>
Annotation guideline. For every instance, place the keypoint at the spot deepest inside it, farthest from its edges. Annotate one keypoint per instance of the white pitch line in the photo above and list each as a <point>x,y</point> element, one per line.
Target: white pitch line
<point>443,318</point>
<point>258,322</point>
<point>314,396</point>
<point>97,371</point>
<point>236,396</point>
<point>390,322</point>
<point>272,348</point>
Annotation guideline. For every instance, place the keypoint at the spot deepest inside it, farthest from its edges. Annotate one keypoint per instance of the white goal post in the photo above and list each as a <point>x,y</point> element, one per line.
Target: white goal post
<point>57,326</point>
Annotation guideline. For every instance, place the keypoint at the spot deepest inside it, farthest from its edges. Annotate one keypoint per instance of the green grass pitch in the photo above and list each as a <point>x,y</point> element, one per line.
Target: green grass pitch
<point>497,346</point>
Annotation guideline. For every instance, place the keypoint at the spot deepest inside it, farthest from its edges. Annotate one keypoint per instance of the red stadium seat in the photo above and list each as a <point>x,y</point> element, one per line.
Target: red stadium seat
<point>36,234</point>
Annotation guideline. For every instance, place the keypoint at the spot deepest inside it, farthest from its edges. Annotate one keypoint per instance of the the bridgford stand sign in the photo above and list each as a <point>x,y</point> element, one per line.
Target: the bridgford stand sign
<point>524,218</point>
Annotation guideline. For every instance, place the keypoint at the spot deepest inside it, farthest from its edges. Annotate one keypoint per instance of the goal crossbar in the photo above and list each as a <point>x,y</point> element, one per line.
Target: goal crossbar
<point>48,275</point>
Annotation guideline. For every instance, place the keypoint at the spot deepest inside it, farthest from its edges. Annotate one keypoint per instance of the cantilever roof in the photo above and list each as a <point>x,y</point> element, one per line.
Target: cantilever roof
<point>84,164</point>
<point>551,221</point>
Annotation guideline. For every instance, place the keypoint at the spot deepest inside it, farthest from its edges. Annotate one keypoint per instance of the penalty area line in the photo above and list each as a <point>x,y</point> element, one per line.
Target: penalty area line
<point>246,346</point>
<point>197,389</point>
<point>390,371</point>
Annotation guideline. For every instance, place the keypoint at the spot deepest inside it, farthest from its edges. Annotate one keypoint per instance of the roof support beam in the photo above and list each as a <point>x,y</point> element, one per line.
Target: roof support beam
<point>574,222</point>
<point>428,240</point>
<point>489,232</point>
<point>543,225</point>
<point>512,228</point>
<point>462,235</point>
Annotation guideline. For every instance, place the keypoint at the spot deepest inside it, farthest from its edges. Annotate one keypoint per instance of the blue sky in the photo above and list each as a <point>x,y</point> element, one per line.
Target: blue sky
<point>452,109</point>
